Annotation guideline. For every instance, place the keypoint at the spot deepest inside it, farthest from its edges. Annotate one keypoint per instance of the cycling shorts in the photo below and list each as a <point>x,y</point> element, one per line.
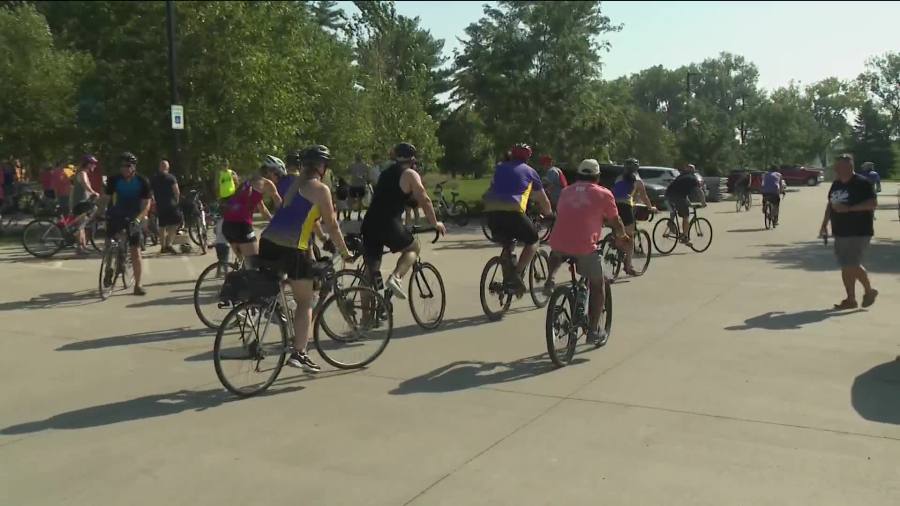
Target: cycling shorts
<point>507,226</point>
<point>237,232</point>
<point>378,235</point>
<point>626,212</point>
<point>292,262</point>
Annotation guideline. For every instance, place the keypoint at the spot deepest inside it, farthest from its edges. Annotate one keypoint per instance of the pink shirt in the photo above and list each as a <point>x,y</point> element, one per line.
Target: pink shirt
<point>240,207</point>
<point>582,209</point>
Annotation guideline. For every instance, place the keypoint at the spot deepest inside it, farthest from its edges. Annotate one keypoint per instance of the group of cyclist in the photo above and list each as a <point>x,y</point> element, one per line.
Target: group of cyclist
<point>772,188</point>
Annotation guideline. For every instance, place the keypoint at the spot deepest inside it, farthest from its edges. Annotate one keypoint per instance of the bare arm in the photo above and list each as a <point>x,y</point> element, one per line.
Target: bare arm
<point>145,209</point>
<point>264,210</point>
<point>83,179</point>
<point>642,194</point>
<point>868,205</point>
<point>826,217</point>
<point>411,182</point>
<point>543,202</point>
<point>270,189</point>
<point>329,219</point>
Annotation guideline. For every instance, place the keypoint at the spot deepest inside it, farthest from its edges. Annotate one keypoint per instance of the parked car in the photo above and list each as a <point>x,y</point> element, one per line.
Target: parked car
<point>661,176</point>
<point>801,175</point>
<point>755,180</point>
<point>656,192</point>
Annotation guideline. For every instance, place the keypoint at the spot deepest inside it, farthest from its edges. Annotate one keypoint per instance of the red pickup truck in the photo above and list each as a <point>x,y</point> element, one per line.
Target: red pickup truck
<point>802,175</point>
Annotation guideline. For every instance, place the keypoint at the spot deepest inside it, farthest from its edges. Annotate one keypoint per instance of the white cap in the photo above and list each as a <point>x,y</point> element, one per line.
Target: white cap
<point>589,167</point>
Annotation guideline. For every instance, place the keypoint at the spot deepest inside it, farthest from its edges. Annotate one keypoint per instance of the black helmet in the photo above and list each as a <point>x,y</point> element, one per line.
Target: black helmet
<point>293,158</point>
<point>317,152</point>
<point>404,151</point>
<point>128,157</point>
<point>632,163</point>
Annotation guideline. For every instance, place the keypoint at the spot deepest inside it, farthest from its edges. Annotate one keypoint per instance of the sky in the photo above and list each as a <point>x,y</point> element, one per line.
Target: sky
<point>800,41</point>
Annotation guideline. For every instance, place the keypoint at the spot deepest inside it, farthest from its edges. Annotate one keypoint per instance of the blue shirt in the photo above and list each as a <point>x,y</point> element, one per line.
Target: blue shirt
<point>771,183</point>
<point>127,194</point>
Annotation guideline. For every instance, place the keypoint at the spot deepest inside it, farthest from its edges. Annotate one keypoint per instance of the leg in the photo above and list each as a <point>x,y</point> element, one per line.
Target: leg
<point>863,277</point>
<point>848,276</point>
<point>137,265</point>
<point>525,258</point>
<point>303,293</point>
<point>406,260</point>
<point>597,299</point>
<point>629,251</point>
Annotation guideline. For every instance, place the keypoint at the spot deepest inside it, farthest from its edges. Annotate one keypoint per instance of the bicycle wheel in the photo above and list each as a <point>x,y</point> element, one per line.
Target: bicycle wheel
<point>209,307</point>
<point>738,203</point>
<point>108,271</point>
<point>543,227</point>
<point>611,258</point>
<point>460,213</point>
<point>198,234</point>
<point>767,219</point>
<point>561,327</point>
<point>701,234</point>
<point>125,270</point>
<point>665,236</point>
<point>495,298</point>
<point>250,348</point>
<point>427,298</point>
<point>643,250</point>
<point>485,229</point>
<point>538,274</point>
<point>43,238</point>
<point>96,231</point>
<point>359,328</point>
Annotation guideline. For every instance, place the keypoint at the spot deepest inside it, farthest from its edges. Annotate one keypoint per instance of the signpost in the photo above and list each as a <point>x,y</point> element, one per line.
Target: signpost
<point>177,117</point>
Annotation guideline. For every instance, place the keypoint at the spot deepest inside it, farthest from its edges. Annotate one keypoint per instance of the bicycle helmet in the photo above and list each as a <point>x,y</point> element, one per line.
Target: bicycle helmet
<point>87,160</point>
<point>404,151</point>
<point>589,167</point>
<point>521,152</point>
<point>128,157</point>
<point>274,164</point>
<point>867,166</point>
<point>632,163</point>
<point>317,152</point>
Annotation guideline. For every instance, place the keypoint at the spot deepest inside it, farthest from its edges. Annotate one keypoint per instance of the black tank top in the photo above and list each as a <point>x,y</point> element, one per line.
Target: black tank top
<point>389,200</point>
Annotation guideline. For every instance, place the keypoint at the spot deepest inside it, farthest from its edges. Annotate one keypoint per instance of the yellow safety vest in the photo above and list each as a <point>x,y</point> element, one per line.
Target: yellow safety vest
<point>226,184</point>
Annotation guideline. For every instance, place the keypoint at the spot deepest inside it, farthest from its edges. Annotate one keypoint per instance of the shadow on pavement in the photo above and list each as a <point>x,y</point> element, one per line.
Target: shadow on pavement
<point>58,299</point>
<point>875,393</point>
<point>883,255</point>
<point>175,300</point>
<point>779,320</point>
<point>482,243</point>
<point>136,338</point>
<point>462,375</point>
<point>149,406</point>
<point>741,230</point>
<point>170,283</point>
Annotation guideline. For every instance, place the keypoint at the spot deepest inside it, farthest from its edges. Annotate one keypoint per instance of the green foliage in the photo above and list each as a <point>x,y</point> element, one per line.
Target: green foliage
<point>783,129</point>
<point>882,81</point>
<point>467,149</point>
<point>870,140</point>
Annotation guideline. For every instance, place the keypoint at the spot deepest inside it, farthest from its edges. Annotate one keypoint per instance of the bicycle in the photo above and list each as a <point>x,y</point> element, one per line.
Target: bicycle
<point>453,210</point>
<point>567,317</point>
<point>116,264</point>
<point>640,258</point>
<point>15,208</point>
<point>44,237</point>
<point>244,346</point>
<point>197,220</point>
<point>667,232</point>
<point>743,200</point>
<point>421,288</point>
<point>770,213</point>
<point>497,280</point>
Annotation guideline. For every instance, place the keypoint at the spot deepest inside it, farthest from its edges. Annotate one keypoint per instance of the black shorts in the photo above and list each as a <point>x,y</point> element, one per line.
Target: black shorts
<point>168,216</point>
<point>293,262</point>
<point>378,234</point>
<point>83,208</point>
<point>508,226</point>
<point>626,212</point>
<point>116,224</point>
<point>773,198</point>
<point>357,192</point>
<point>237,232</point>
<point>681,205</point>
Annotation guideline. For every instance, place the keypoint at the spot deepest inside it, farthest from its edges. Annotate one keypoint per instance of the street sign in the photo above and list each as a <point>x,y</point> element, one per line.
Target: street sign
<point>177,117</point>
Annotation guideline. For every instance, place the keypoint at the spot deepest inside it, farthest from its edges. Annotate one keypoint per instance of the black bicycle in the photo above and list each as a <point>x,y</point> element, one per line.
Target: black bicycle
<point>197,220</point>
<point>498,281</point>
<point>543,225</point>
<point>743,200</point>
<point>640,257</point>
<point>116,264</point>
<point>567,320</point>
<point>667,233</point>
<point>426,294</point>
<point>770,213</point>
<point>453,210</point>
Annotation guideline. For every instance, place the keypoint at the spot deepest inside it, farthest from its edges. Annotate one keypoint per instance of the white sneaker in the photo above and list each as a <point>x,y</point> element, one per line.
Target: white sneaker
<point>393,282</point>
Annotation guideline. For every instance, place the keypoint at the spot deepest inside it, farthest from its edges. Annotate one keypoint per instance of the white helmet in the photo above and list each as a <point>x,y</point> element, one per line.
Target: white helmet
<point>589,167</point>
<point>275,164</point>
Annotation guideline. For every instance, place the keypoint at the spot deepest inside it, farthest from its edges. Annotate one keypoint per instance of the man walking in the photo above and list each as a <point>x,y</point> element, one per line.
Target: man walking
<point>359,178</point>
<point>167,195</point>
<point>851,209</point>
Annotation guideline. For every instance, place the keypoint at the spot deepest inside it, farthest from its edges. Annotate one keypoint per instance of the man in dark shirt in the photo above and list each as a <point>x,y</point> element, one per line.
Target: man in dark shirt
<point>130,194</point>
<point>678,194</point>
<point>167,195</point>
<point>851,209</point>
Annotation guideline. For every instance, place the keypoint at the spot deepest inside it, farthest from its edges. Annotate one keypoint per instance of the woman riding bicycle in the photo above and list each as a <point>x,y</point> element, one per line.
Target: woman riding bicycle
<point>626,188</point>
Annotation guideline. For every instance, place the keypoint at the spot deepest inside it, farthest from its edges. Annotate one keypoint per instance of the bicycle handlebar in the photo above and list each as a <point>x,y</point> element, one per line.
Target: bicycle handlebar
<point>415,230</point>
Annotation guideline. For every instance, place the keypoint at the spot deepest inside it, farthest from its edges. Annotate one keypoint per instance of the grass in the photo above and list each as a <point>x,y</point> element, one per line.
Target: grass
<point>470,190</point>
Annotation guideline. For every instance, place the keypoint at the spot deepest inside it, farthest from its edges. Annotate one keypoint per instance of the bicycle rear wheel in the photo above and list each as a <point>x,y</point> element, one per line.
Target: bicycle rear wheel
<point>611,258</point>
<point>495,298</point>
<point>96,231</point>
<point>485,229</point>
<point>250,348</point>
<point>643,250</point>
<point>561,327</point>
<point>701,234</point>
<point>427,298</point>
<point>538,274</point>
<point>460,213</point>
<point>359,328</point>
<point>107,271</point>
<point>665,236</point>
<point>209,307</point>
<point>199,235</point>
<point>43,238</point>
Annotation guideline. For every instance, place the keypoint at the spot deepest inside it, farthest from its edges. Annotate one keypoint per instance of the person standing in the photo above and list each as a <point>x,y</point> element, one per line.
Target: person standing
<point>851,211</point>
<point>226,183</point>
<point>359,178</point>
<point>130,194</point>
<point>81,202</point>
<point>167,195</point>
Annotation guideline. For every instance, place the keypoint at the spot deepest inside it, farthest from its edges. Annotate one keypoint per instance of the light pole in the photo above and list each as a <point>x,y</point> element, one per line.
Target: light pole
<point>170,29</point>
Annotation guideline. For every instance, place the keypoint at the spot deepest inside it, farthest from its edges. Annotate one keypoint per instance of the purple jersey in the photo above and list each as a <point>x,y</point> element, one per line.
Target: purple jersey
<point>511,187</point>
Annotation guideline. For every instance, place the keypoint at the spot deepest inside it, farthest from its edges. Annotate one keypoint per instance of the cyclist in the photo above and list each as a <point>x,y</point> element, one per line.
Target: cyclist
<point>237,214</point>
<point>869,172</point>
<point>554,180</point>
<point>772,188</point>
<point>285,242</point>
<point>626,187</point>
<point>130,194</point>
<point>505,202</point>
<point>82,199</point>
<point>678,196</point>
<point>584,208</point>
<point>275,170</point>
<point>742,185</point>
<point>398,186</point>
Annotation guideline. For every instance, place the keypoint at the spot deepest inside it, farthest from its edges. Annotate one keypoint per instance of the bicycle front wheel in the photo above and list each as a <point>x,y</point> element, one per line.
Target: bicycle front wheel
<point>107,271</point>
<point>665,236</point>
<point>538,274</point>
<point>43,238</point>
<point>427,298</point>
<point>96,232</point>
<point>561,326</point>
<point>701,234</point>
<point>643,250</point>
<point>359,327</point>
<point>209,307</point>
<point>495,298</point>
<point>250,348</point>
<point>460,214</point>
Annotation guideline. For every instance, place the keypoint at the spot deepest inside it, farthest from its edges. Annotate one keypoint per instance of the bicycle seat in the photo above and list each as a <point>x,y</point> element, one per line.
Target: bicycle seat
<point>455,194</point>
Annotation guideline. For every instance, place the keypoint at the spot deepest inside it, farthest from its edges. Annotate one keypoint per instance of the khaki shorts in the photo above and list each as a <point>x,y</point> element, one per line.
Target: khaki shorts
<point>589,266</point>
<point>851,250</point>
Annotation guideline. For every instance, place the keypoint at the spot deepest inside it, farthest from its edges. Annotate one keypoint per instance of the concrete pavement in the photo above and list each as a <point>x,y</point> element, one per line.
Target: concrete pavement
<point>726,381</point>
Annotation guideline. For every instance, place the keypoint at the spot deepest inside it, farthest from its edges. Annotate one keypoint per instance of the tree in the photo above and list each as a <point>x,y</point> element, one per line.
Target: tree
<point>870,140</point>
<point>831,100</point>
<point>39,88</point>
<point>467,149</point>
<point>783,129</point>
<point>882,81</point>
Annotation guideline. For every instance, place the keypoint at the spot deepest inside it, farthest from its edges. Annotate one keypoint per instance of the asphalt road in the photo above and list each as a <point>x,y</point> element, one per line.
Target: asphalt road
<point>727,380</point>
